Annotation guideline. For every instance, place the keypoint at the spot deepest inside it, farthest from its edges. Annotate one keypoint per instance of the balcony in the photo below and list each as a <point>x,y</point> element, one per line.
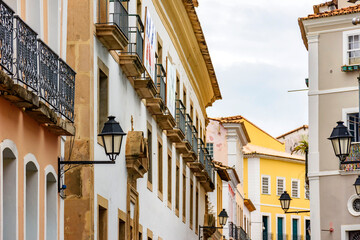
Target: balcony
<point>190,155</point>
<point>199,165</point>
<point>156,106</point>
<point>177,134</point>
<point>238,233</point>
<point>130,59</point>
<point>112,25</point>
<point>33,77</point>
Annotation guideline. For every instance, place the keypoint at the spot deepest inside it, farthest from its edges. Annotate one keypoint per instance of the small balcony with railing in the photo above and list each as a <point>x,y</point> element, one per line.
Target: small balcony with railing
<point>33,77</point>
<point>237,233</point>
<point>353,127</point>
<point>131,58</point>
<point>199,165</point>
<point>156,105</point>
<point>190,138</point>
<point>177,134</point>
<point>112,26</point>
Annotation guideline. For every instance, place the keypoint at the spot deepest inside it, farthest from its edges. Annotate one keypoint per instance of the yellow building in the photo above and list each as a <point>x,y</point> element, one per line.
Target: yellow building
<point>268,172</point>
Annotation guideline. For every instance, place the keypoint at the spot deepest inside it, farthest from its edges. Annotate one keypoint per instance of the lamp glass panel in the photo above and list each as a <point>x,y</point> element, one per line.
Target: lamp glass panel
<point>357,189</point>
<point>285,204</point>
<point>117,143</point>
<point>344,146</point>
<point>108,144</point>
<point>335,143</point>
<point>221,221</point>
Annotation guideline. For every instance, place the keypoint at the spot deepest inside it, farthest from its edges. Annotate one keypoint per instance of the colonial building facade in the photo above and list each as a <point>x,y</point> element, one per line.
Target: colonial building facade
<point>225,139</point>
<point>36,109</point>
<point>332,43</point>
<point>146,63</point>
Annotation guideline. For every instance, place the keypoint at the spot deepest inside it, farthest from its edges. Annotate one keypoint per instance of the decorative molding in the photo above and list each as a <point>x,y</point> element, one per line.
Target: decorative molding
<point>334,90</point>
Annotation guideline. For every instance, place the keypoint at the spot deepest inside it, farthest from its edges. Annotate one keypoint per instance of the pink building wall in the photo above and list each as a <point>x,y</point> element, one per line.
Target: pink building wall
<point>216,134</point>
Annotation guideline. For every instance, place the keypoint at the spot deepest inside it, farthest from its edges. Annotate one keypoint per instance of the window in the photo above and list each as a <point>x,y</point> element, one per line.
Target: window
<point>353,50</point>
<point>307,191</point>
<point>51,208</point>
<point>184,96</point>
<point>169,181</point>
<point>53,25</point>
<point>210,147</point>
<point>191,203</point>
<point>9,194</point>
<point>102,100</point>
<point>122,235</point>
<point>184,192</point>
<point>31,200</point>
<point>160,170</point>
<point>280,185</point>
<point>177,92</point>
<point>159,52</point>
<point>295,188</point>
<point>139,7</point>
<point>265,185</point>
<point>149,142</point>
<point>353,125</point>
<point>102,218</point>
<point>177,188</point>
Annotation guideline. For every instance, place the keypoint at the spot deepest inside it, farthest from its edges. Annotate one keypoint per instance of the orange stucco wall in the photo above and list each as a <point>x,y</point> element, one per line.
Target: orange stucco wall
<point>29,137</point>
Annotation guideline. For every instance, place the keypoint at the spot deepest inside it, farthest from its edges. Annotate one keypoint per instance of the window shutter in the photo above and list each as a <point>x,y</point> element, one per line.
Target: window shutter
<point>295,188</point>
<point>265,185</point>
<point>280,186</point>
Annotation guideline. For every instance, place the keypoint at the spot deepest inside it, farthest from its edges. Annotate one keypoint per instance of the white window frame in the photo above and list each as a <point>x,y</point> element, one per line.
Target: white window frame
<point>269,184</point>
<point>277,185</point>
<point>306,190</point>
<point>346,34</point>
<point>298,187</point>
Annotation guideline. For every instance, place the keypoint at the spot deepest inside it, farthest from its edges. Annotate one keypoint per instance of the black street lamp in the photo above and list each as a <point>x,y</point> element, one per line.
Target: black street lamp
<point>341,141</point>
<point>223,217</point>
<point>357,185</point>
<point>285,200</point>
<point>111,135</point>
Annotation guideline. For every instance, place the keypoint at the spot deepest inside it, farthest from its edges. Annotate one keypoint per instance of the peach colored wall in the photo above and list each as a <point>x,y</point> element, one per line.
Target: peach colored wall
<point>29,137</point>
<point>216,133</point>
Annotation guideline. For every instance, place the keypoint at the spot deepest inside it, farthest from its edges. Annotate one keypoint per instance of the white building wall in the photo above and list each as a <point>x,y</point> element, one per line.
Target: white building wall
<point>110,181</point>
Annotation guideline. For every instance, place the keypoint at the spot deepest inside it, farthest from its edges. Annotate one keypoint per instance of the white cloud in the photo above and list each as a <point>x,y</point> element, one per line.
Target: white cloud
<point>258,55</point>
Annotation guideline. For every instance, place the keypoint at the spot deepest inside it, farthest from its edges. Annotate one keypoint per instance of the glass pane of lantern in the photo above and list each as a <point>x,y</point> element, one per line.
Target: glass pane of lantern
<point>335,143</point>
<point>108,144</point>
<point>344,144</point>
<point>117,143</point>
<point>357,189</point>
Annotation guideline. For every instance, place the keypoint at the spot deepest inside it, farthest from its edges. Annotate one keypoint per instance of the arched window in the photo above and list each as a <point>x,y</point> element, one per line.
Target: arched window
<point>9,195</point>
<point>31,198</point>
<point>51,207</point>
<point>54,25</point>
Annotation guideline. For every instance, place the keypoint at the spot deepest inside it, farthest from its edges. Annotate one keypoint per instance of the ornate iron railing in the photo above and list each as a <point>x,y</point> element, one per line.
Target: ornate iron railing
<point>188,135</point>
<point>33,64</point>
<point>115,13</point>
<point>136,40</point>
<point>180,116</point>
<point>238,233</point>
<point>160,81</point>
<point>6,39</point>
<point>26,55</point>
<point>209,167</point>
<point>195,140</point>
<point>48,74</point>
<point>201,152</point>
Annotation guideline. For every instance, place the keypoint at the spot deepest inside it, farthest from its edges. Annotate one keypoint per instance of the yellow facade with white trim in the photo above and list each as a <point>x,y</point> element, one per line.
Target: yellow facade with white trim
<point>267,157</point>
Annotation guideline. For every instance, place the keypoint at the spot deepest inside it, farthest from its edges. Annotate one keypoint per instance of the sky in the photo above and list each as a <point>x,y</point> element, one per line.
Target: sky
<point>258,55</point>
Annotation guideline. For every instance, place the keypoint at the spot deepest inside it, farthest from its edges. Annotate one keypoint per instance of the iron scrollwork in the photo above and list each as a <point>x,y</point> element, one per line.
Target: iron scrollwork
<point>6,40</point>
<point>66,90</point>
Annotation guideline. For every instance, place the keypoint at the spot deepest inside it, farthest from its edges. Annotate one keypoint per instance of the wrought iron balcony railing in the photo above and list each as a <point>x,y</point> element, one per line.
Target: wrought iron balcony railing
<point>135,34</point>
<point>33,64</point>
<point>194,140</point>
<point>209,167</point>
<point>201,151</point>
<point>238,233</point>
<point>113,12</point>
<point>160,81</point>
<point>180,116</point>
<point>188,134</point>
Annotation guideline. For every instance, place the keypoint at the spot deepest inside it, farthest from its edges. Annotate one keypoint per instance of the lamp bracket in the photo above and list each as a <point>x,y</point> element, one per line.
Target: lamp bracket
<point>61,171</point>
<point>297,212</point>
<point>349,162</point>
